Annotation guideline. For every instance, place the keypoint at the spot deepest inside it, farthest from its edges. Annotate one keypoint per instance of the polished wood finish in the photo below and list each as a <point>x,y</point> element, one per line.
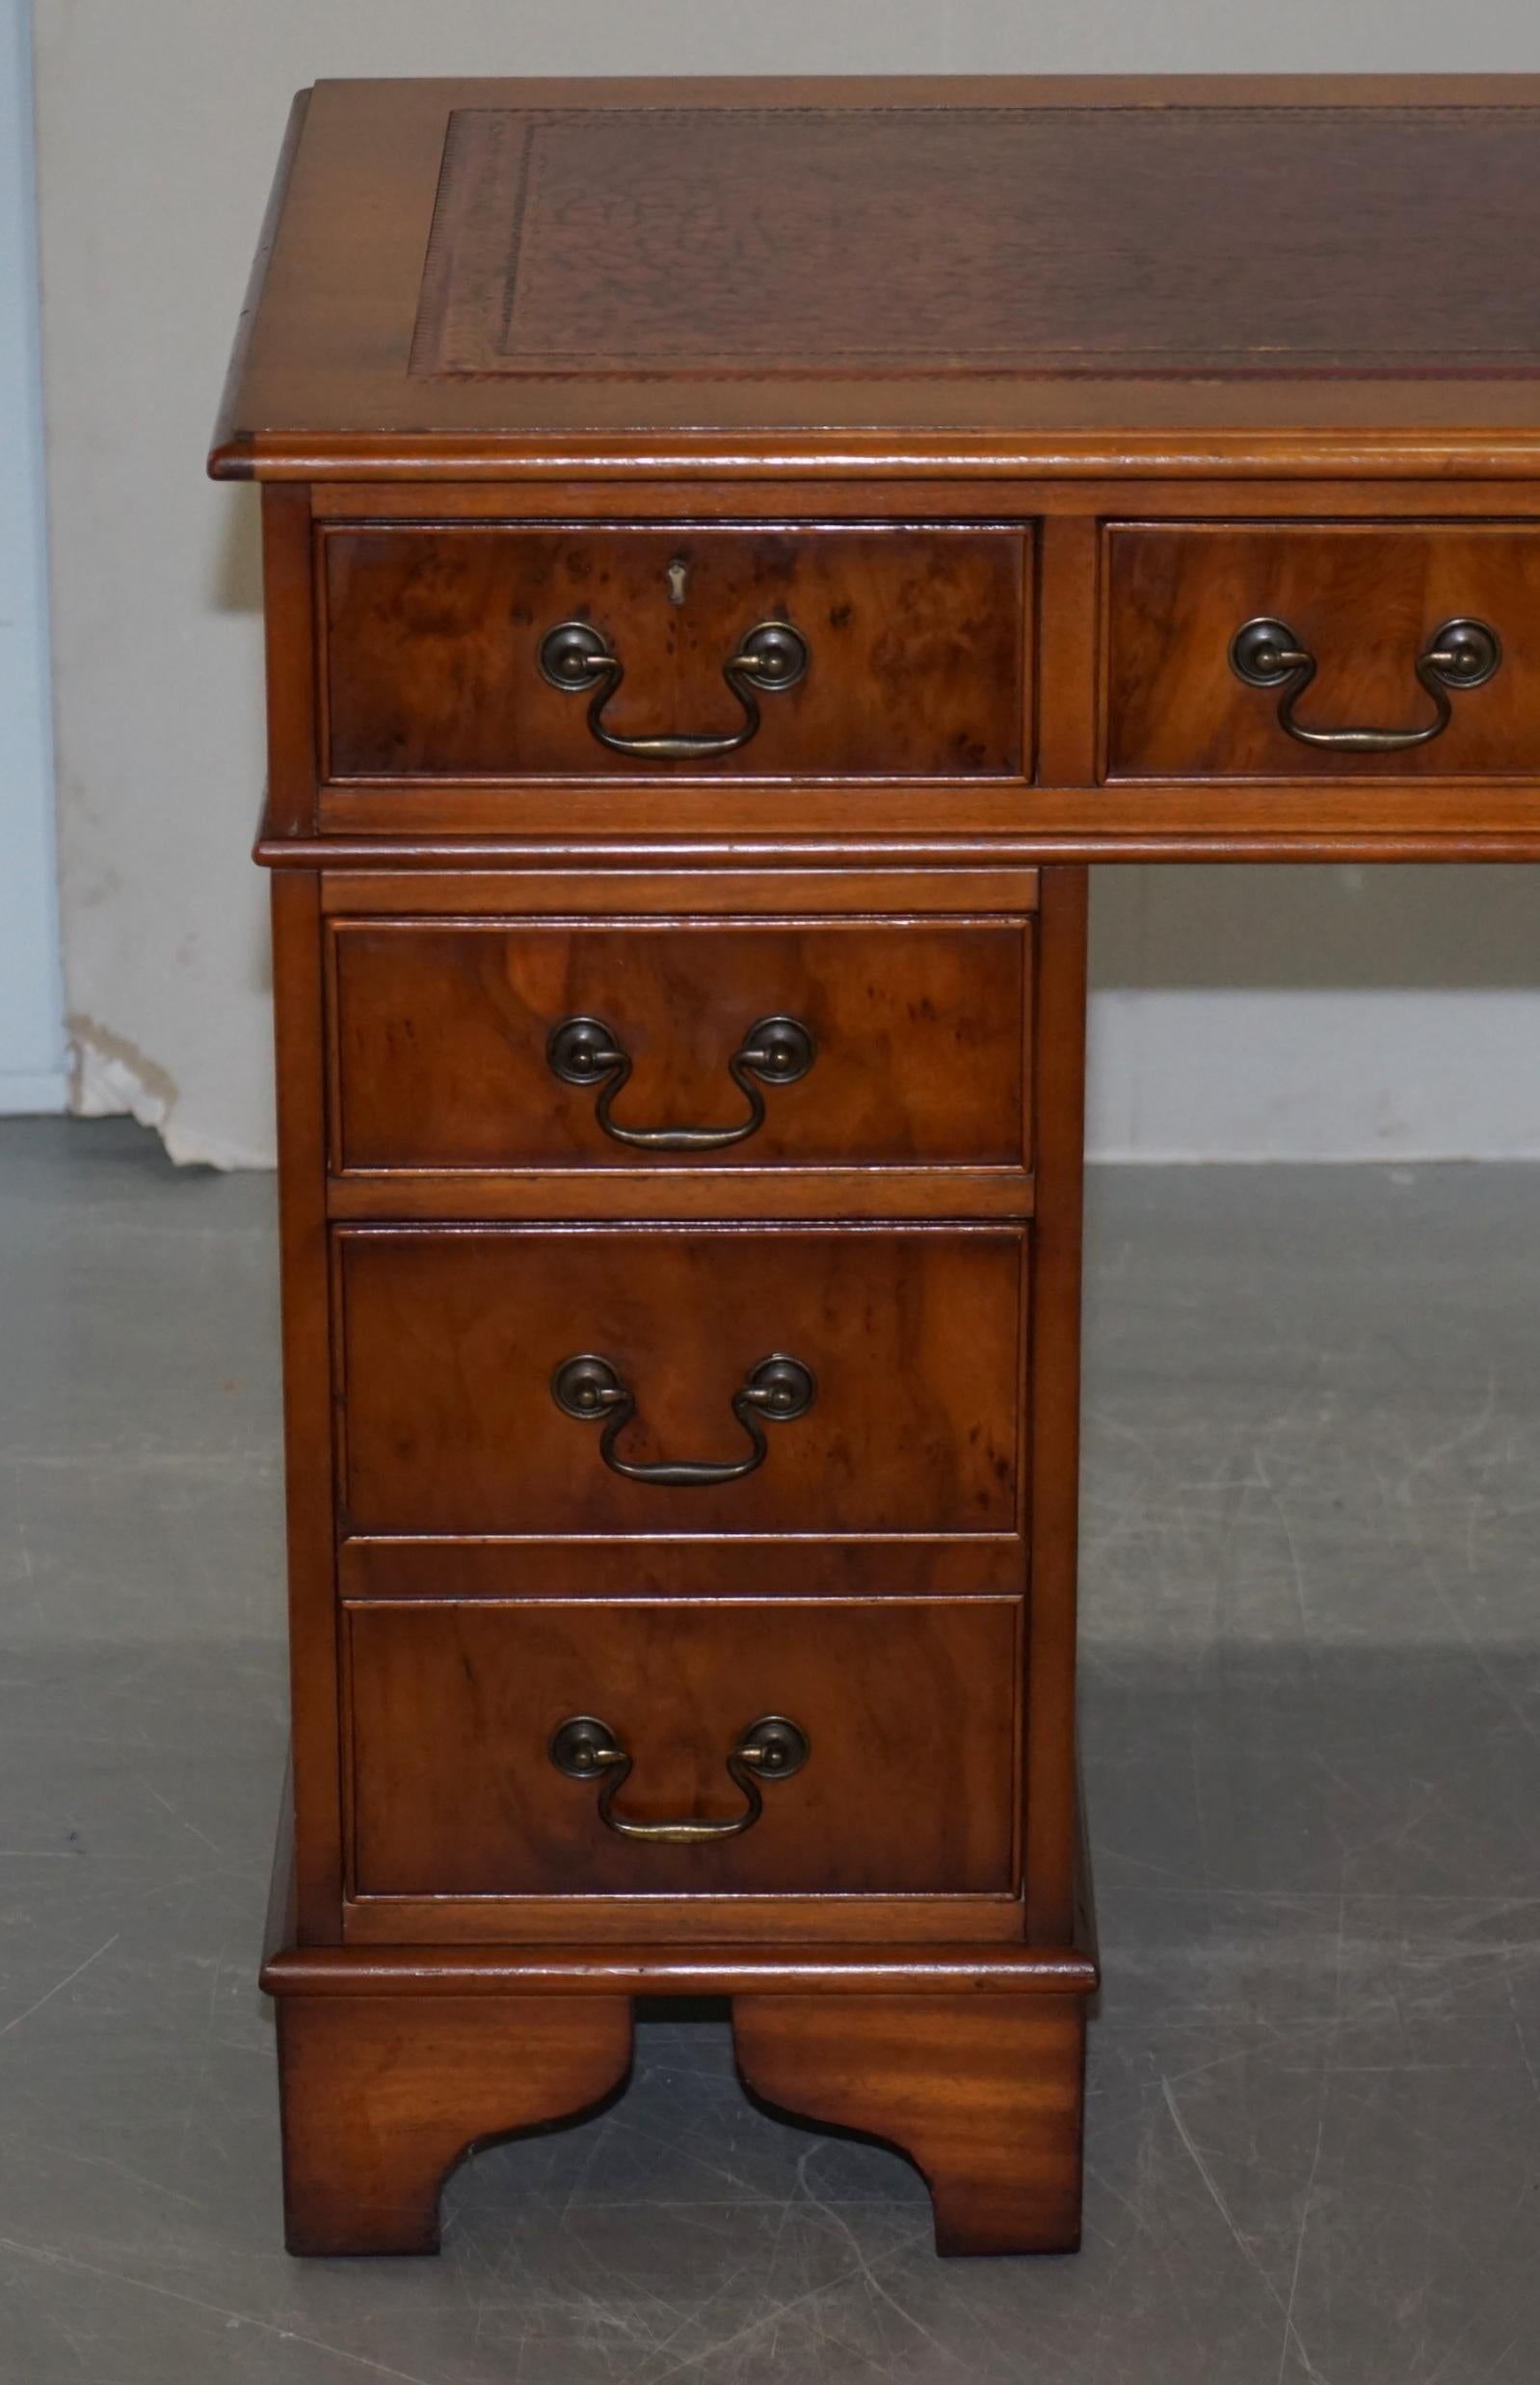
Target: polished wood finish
<point>982,2088</point>
<point>618,1566</point>
<point>1072,812</point>
<point>442,1031</point>
<point>1273,248</point>
<point>1149,360</point>
<point>921,1926</point>
<point>909,1712</point>
<point>512,1195</point>
<point>1051,1774</point>
<point>450,1339</point>
<point>959,1968</point>
<point>289,625</point>
<point>983,2093</point>
<point>758,876</point>
<point>916,666</point>
<point>1365,600</point>
<point>308,1443</point>
<point>379,2109</point>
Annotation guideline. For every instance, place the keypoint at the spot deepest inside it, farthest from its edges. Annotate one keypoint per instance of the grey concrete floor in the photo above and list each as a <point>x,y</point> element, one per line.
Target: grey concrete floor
<point>1313,1726</point>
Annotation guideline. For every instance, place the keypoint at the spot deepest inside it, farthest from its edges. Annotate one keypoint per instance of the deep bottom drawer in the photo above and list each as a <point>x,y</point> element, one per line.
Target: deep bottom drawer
<point>908,1711</point>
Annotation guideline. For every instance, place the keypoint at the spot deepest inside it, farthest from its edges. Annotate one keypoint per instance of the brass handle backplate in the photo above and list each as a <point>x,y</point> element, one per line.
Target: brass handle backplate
<point>771,1749</point>
<point>1267,653</point>
<point>585,1051</point>
<point>577,657</point>
<point>778,1388</point>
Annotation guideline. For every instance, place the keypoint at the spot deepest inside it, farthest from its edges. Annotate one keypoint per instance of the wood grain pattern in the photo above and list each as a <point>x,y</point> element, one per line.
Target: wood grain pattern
<point>982,2092</point>
<point>308,1446</point>
<point>1318,819</point>
<point>1194,226</point>
<point>638,877</point>
<point>704,1968</point>
<point>510,1196</point>
<point>618,1566</point>
<point>915,642</point>
<point>1050,1780</point>
<point>442,1028</point>
<point>1170,493</point>
<point>910,1928</point>
<point>377,2109</point>
<point>1326,822</point>
<point>910,1711</point>
<point>1069,547</point>
<point>1018,397</point>
<point>451,1338</point>
<point>288,621</point>
<point>1365,599</point>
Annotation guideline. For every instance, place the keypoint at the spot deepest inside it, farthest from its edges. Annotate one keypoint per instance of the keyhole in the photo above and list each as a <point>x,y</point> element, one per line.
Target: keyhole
<point>678,576</point>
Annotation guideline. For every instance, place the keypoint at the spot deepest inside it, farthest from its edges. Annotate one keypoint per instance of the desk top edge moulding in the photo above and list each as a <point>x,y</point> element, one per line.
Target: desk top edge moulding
<point>1026,277</point>
<point>735,552</point>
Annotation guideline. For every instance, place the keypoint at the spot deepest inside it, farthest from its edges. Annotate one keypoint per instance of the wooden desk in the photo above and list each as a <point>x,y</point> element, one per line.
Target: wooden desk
<point>736,552</point>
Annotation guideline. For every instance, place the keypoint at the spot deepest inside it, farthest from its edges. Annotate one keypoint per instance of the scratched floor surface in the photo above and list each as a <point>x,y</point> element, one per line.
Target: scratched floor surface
<point>1313,1725</point>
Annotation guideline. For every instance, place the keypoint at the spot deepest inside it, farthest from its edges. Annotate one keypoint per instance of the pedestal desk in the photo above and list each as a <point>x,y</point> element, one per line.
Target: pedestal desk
<point>736,552</point>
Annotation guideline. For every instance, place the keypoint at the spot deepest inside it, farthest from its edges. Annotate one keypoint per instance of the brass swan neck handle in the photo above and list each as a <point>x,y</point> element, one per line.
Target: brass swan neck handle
<point>1267,653</point>
<point>577,658</point>
<point>771,1749</point>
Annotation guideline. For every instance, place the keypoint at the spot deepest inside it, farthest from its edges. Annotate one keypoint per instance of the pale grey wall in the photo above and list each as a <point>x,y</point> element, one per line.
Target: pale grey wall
<point>1245,1012</point>
<point>32,1038</point>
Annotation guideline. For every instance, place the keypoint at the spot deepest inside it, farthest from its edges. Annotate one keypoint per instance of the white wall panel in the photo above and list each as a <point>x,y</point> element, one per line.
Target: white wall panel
<point>160,120</point>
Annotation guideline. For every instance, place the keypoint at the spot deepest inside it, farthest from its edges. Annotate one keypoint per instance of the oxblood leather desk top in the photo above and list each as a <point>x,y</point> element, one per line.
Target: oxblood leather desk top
<point>735,552</point>
<point>1188,274</point>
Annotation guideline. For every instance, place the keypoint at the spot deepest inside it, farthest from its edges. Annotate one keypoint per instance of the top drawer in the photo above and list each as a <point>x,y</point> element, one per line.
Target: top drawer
<point>1290,650</point>
<point>894,652</point>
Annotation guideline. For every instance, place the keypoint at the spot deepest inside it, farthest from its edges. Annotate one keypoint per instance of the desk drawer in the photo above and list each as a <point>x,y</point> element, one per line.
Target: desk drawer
<point>487,1043</point>
<point>894,1404</point>
<point>907,659</point>
<point>907,1714</point>
<point>1367,603</point>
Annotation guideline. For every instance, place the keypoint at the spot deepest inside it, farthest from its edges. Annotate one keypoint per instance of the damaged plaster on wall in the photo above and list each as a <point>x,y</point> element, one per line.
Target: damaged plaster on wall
<point>111,1077</point>
<point>1247,1013</point>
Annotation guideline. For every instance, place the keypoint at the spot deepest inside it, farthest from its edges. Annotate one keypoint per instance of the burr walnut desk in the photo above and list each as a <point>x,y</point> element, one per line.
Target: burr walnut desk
<point>736,552</point>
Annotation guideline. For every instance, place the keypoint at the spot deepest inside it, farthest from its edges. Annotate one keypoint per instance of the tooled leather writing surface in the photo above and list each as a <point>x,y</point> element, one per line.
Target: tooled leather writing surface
<point>955,240</point>
<point>1042,274</point>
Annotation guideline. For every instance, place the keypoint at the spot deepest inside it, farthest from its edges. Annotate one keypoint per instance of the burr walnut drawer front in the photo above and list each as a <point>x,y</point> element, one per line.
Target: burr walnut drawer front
<point>485,1044</point>
<point>486,651</point>
<point>648,1380</point>
<point>666,1749</point>
<point>1336,650</point>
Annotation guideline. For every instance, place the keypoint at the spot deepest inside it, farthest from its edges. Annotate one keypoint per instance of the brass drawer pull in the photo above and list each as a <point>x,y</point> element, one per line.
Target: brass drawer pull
<point>778,1388</point>
<point>1267,653</point>
<point>771,1749</point>
<point>575,656</point>
<point>585,1051</point>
